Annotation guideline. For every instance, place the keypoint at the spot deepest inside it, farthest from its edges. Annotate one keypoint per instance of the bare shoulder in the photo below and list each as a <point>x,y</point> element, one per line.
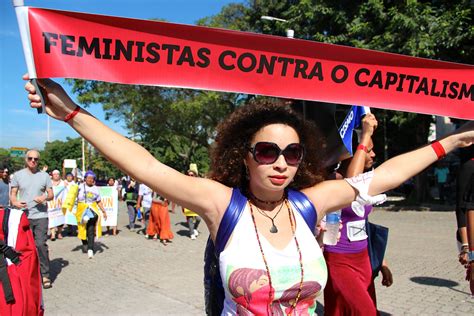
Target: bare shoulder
<point>220,193</point>
<point>219,196</point>
<point>202,194</point>
<point>316,195</point>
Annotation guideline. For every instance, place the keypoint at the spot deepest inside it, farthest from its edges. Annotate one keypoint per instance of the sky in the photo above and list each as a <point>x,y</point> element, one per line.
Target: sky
<point>21,126</point>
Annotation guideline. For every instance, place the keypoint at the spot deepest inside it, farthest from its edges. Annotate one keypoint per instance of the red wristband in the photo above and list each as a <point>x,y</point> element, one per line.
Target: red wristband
<point>438,149</point>
<point>363,147</point>
<point>72,114</point>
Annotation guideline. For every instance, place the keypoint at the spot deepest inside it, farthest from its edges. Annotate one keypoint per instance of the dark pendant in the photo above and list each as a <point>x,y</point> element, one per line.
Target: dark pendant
<point>274,229</point>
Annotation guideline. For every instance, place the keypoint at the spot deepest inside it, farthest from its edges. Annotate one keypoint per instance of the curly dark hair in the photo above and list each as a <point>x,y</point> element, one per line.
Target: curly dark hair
<point>235,133</point>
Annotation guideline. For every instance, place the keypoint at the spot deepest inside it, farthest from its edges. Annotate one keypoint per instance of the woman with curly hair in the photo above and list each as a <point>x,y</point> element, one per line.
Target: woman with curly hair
<point>261,150</point>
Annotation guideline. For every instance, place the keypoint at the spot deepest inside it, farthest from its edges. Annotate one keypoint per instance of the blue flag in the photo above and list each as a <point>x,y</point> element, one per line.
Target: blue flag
<point>353,120</point>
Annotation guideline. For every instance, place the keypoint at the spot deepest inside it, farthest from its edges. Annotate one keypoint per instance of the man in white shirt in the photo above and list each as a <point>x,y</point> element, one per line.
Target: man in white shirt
<point>145,195</point>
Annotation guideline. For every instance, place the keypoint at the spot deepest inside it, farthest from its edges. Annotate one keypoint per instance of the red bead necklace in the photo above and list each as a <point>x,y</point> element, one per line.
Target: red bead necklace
<point>292,222</point>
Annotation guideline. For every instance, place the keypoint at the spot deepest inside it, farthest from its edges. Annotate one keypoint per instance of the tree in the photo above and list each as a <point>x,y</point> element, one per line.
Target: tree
<point>12,163</point>
<point>55,152</point>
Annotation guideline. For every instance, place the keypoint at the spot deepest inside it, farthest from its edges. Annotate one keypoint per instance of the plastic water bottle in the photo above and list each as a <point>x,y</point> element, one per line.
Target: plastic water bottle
<point>332,228</point>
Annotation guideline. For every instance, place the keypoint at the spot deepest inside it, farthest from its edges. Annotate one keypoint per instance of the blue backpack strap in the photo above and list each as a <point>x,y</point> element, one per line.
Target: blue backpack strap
<point>306,208</point>
<point>213,289</point>
<point>230,219</point>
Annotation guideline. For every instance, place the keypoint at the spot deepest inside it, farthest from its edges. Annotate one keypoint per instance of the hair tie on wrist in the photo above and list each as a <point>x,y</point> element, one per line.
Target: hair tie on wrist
<point>72,114</point>
<point>363,147</point>
<point>438,149</point>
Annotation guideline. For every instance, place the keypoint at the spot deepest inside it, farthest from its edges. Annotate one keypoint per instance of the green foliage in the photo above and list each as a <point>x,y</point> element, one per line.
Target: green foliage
<point>232,17</point>
<point>55,152</point>
<point>431,29</point>
<point>176,125</point>
<point>12,163</point>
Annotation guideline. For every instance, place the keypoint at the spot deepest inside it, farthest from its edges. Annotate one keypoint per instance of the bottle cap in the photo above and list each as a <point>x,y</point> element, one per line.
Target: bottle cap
<point>333,217</point>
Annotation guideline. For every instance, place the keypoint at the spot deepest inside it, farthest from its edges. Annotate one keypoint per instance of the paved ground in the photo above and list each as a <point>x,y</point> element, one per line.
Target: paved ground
<point>133,276</point>
<point>428,280</point>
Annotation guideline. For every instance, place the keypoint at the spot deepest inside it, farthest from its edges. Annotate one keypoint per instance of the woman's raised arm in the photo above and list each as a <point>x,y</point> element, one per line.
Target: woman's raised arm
<point>357,164</point>
<point>334,194</point>
<point>206,197</point>
<point>397,170</point>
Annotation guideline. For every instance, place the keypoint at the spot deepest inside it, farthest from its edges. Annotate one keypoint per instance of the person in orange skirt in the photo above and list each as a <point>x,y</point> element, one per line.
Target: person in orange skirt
<point>159,223</point>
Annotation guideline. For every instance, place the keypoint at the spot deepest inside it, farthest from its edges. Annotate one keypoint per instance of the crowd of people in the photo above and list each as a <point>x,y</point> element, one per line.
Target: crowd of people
<point>30,188</point>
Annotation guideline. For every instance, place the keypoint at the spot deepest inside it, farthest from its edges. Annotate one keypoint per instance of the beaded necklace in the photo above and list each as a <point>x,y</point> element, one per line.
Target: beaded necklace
<point>280,200</point>
<point>292,221</point>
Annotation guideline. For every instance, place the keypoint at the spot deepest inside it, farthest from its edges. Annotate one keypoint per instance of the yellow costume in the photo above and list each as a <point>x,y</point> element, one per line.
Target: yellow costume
<point>69,201</point>
<point>187,212</point>
<point>81,227</point>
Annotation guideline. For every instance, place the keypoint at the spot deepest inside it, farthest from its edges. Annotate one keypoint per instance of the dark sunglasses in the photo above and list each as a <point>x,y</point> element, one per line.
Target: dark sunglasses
<point>32,158</point>
<point>266,153</point>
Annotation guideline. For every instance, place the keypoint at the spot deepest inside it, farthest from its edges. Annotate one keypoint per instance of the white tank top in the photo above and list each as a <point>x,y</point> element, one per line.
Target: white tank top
<point>245,280</point>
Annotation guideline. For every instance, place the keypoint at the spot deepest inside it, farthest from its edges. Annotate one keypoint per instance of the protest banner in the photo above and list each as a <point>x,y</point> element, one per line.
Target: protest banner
<point>70,218</point>
<point>70,163</point>
<point>109,196</point>
<point>55,213</point>
<point>131,51</point>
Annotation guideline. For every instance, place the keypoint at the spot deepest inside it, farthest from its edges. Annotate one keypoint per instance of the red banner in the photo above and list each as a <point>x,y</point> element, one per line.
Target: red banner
<point>86,46</point>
